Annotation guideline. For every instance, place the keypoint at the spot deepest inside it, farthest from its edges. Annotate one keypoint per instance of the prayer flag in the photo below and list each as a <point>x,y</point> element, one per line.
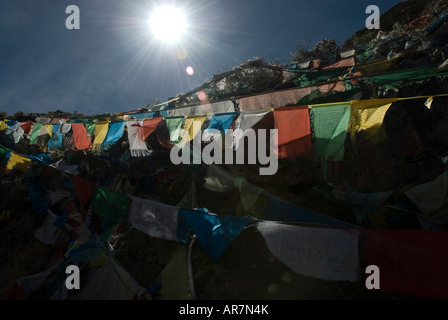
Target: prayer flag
<point>294,132</point>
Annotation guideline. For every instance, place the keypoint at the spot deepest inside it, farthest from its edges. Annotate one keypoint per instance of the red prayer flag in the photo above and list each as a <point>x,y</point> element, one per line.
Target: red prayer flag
<point>13,292</point>
<point>294,132</point>
<point>412,262</point>
<point>84,190</point>
<point>27,126</point>
<point>148,126</point>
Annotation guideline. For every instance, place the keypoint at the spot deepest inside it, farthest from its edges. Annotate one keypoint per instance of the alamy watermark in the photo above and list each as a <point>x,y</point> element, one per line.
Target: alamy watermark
<point>234,140</point>
<point>73,20</point>
<point>73,277</point>
<point>373,21</point>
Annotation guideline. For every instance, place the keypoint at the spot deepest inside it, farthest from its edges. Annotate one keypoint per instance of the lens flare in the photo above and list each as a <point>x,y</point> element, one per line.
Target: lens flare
<point>182,54</point>
<point>190,70</point>
<point>202,96</point>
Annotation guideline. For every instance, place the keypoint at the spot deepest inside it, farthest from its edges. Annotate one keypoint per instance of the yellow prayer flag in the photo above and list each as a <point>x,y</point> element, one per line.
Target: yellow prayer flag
<point>16,161</point>
<point>3,125</point>
<point>428,102</point>
<point>368,116</point>
<point>190,126</point>
<point>377,67</point>
<point>175,283</point>
<point>49,128</point>
<point>101,129</point>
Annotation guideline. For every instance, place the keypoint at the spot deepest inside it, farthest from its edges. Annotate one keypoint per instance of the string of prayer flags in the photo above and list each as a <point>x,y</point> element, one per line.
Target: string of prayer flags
<point>324,253</point>
<point>202,108</point>
<point>59,120</point>
<point>294,132</point>
<point>287,97</point>
<point>144,116</point>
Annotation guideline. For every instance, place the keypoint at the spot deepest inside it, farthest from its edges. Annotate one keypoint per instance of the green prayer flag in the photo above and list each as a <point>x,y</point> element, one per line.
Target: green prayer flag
<point>393,78</point>
<point>110,204</point>
<point>329,124</point>
<point>90,128</point>
<point>174,125</point>
<point>314,77</point>
<point>363,57</point>
<point>3,152</point>
<point>35,132</point>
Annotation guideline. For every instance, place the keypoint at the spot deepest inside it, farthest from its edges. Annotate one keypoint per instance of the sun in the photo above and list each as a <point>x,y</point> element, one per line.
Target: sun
<point>168,23</point>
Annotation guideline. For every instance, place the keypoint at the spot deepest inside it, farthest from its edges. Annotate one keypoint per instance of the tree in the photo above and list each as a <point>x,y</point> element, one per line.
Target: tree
<point>58,114</point>
<point>325,47</point>
<point>320,51</point>
<point>20,116</point>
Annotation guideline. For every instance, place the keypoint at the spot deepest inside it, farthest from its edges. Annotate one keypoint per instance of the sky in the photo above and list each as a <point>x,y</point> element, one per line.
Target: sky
<point>114,63</point>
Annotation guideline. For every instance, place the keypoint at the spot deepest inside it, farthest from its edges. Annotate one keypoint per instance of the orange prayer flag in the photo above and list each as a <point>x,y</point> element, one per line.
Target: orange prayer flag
<point>294,132</point>
<point>82,140</point>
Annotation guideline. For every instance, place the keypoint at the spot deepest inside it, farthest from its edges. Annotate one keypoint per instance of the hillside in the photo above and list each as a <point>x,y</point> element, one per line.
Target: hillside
<point>340,186</point>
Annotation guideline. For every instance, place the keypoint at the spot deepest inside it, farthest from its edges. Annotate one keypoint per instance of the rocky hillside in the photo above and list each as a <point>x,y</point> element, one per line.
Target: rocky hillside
<point>400,16</point>
<point>248,270</point>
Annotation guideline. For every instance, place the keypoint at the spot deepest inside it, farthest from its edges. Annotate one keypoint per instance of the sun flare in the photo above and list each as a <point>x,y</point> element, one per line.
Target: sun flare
<point>168,24</point>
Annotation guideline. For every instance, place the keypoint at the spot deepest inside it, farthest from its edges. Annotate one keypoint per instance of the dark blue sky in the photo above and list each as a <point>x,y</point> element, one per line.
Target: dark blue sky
<point>113,63</point>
